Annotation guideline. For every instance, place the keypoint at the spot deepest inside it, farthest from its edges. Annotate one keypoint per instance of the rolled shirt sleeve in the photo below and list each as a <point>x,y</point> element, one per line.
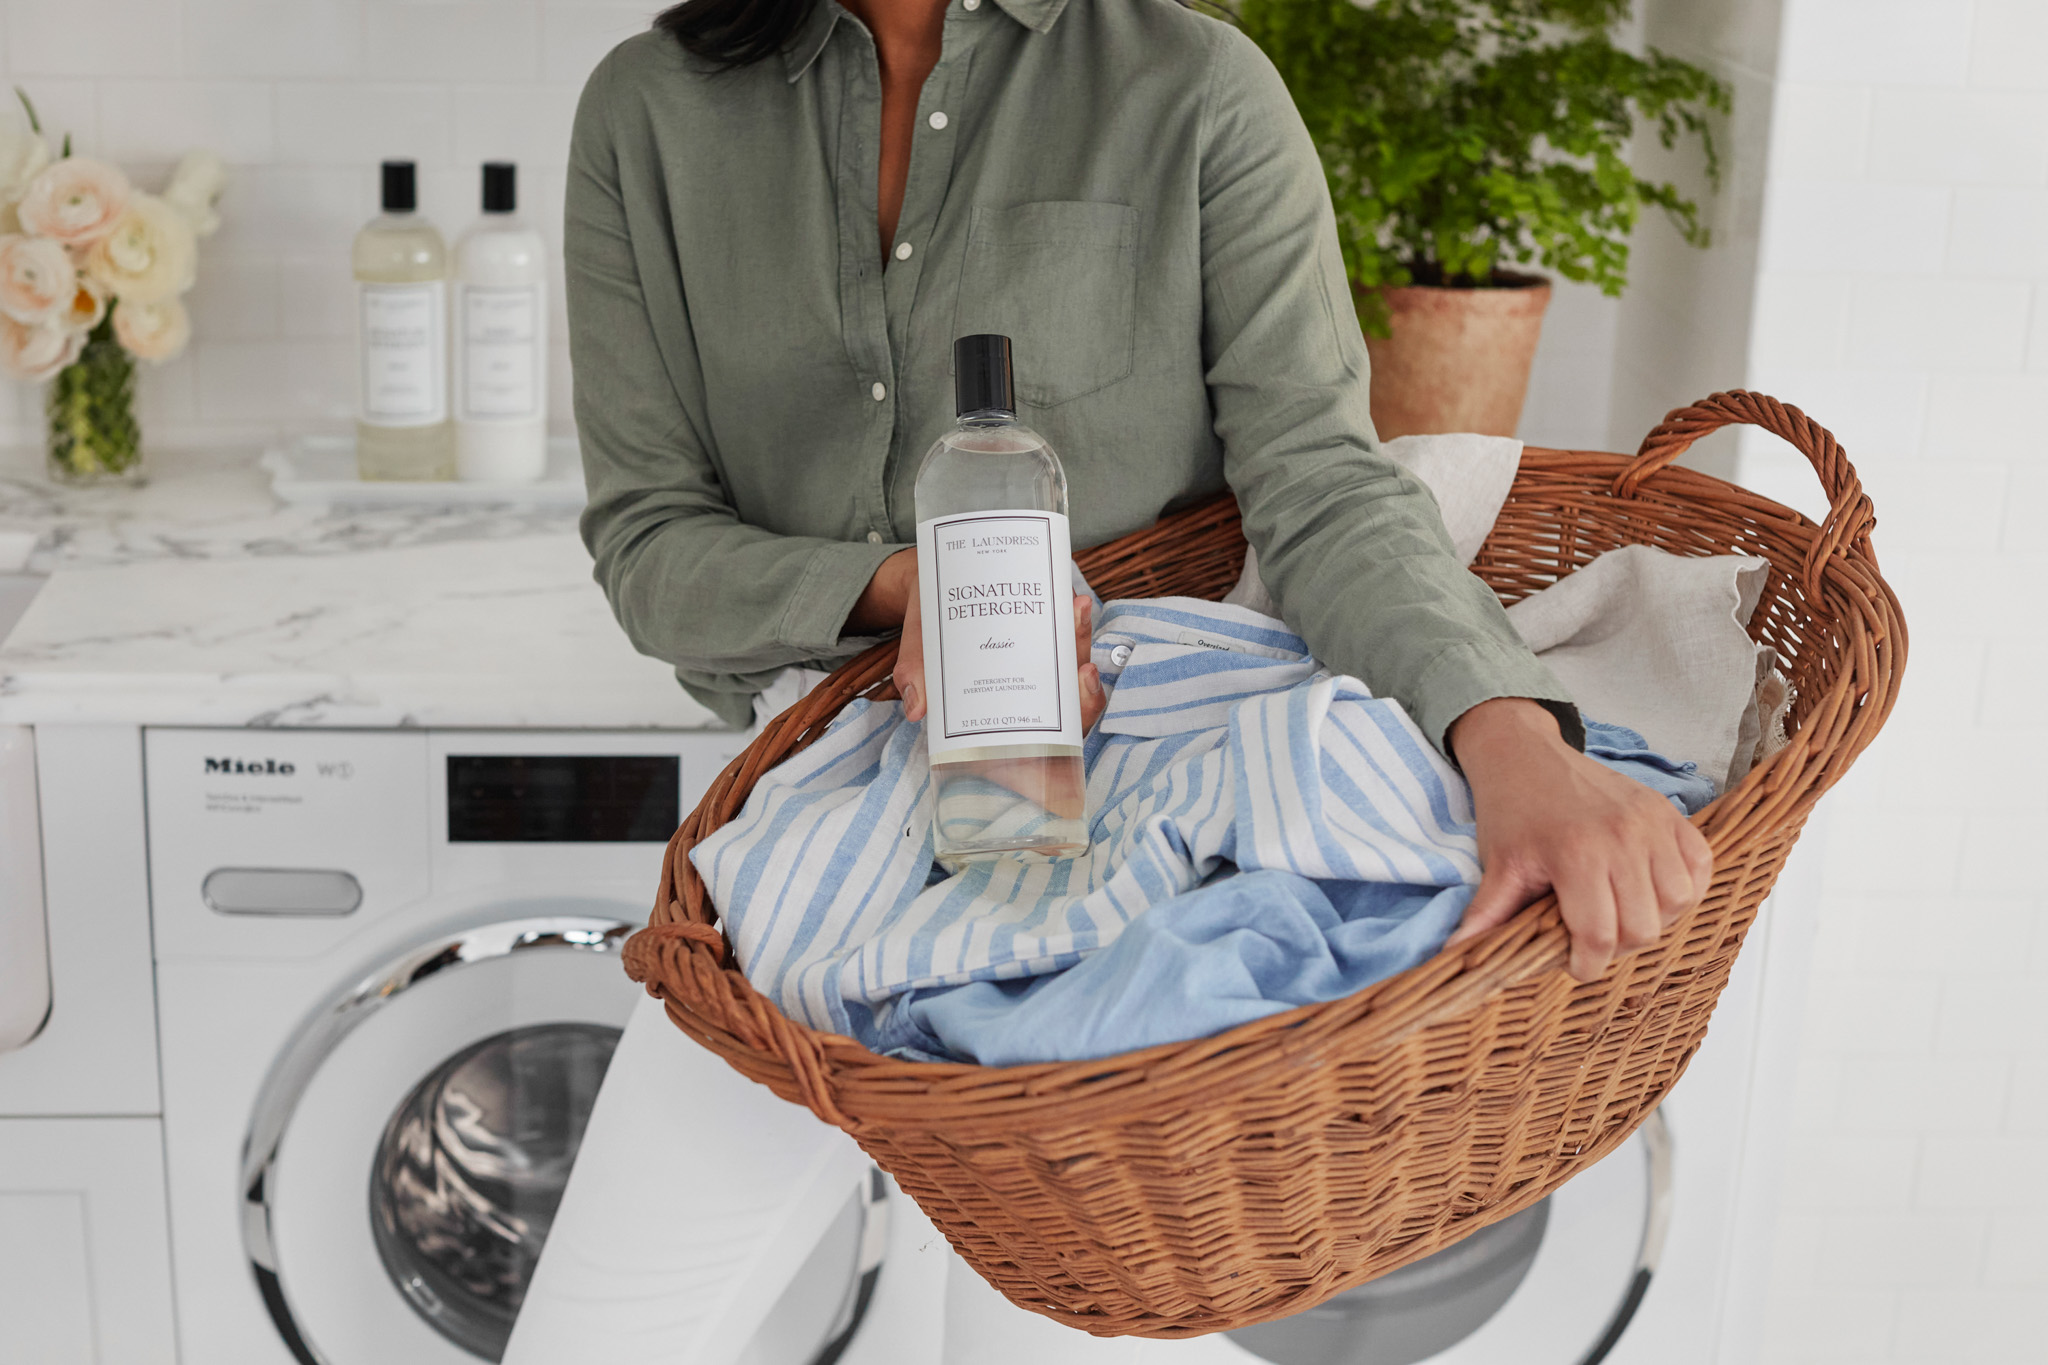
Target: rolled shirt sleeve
<point>1350,544</point>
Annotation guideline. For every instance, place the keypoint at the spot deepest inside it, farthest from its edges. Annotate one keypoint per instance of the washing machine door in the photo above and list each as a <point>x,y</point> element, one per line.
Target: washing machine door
<point>1556,1284</point>
<point>410,1146</point>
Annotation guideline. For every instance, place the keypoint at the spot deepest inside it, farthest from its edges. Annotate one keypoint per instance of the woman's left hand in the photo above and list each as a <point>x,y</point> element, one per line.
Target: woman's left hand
<point>909,672</point>
<point>1623,861</point>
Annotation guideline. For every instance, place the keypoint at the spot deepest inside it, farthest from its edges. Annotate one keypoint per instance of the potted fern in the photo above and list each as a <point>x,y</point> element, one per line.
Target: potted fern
<point>1460,136</point>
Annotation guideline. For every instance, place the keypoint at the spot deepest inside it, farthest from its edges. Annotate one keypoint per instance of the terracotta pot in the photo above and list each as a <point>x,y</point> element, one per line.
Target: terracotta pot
<point>1459,358</point>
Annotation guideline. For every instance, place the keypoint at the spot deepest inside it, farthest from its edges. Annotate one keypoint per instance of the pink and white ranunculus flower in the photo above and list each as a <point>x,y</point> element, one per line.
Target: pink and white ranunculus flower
<point>37,279</point>
<point>195,187</point>
<point>22,153</point>
<point>77,201</point>
<point>150,254</point>
<point>88,306</point>
<point>37,351</point>
<point>154,330</point>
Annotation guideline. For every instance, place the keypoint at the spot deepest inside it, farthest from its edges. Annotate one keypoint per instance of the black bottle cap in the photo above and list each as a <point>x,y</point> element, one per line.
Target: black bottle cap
<point>501,192</point>
<point>401,188</point>
<point>982,383</point>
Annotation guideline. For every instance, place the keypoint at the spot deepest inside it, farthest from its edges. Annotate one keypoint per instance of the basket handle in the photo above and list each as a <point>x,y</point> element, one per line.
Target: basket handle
<point>1850,517</point>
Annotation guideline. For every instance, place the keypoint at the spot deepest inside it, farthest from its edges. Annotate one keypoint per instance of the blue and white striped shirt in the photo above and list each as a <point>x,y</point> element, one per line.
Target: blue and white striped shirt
<point>1225,751</point>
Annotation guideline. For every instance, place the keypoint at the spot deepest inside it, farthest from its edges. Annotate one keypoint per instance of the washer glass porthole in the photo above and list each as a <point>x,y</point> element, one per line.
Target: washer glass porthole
<point>471,1168</point>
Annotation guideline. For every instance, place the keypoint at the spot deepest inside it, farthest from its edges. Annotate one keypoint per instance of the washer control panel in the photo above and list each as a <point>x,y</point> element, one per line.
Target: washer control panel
<point>563,798</point>
<point>284,843</point>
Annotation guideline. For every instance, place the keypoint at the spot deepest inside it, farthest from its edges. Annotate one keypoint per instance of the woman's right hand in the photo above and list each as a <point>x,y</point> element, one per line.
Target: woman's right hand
<point>896,581</point>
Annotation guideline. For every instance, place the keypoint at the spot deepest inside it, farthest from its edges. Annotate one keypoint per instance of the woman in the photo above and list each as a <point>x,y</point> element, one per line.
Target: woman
<point>782,212</point>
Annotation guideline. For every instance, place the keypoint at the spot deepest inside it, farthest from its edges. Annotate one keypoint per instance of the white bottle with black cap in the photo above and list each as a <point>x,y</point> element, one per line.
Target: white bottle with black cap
<point>501,340</point>
<point>401,271</point>
<point>996,597</point>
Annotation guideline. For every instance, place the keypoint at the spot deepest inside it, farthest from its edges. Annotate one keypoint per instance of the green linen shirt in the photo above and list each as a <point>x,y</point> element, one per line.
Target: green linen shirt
<point>1124,188</point>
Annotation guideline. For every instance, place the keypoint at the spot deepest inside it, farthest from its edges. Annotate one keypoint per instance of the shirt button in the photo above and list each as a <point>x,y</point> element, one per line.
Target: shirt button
<point>1120,656</point>
<point>938,118</point>
<point>903,251</point>
<point>874,537</point>
<point>880,391</point>
<point>970,5</point>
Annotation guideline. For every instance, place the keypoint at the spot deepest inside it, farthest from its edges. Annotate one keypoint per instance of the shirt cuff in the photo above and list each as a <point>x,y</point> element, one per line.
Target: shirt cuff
<point>833,580</point>
<point>1460,679</point>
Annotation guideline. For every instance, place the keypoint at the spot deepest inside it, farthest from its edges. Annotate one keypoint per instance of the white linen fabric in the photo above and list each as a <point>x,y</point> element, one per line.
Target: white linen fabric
<point>1659,643</point>
<point>1653,641</point>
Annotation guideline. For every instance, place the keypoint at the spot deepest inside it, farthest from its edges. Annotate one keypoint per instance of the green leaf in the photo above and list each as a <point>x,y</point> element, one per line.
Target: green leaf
<point>1458,134</point>
<point>35,125</point>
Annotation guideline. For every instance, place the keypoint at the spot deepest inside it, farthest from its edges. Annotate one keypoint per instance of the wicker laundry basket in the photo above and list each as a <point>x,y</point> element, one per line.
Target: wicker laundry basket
<point>1206,1185</point>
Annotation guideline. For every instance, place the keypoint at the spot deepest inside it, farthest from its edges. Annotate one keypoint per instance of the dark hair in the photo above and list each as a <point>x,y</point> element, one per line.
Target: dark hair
<point>734,32</point>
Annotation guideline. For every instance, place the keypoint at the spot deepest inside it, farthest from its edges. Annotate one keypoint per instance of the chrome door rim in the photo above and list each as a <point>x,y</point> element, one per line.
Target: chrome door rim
<point>339,1015</point>
<point>1656,1134</point>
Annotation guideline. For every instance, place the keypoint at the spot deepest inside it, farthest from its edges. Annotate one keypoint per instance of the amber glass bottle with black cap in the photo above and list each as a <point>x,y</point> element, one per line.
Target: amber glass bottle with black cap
<point>995,584</point>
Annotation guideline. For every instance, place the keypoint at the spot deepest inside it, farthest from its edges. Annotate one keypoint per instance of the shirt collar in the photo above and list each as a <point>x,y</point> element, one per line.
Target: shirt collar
<point>1037,15</point>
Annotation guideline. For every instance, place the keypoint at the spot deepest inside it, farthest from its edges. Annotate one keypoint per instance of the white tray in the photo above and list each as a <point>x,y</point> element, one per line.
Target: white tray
<point>322,470</point>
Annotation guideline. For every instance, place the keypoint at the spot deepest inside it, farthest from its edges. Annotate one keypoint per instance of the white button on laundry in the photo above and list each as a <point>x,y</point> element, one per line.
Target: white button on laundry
<point>970,5</point>
<point>1120,656</point>
<point>903,251</point>
<point>880,391</point>
<point>938,118</point>
<point>874,537</point>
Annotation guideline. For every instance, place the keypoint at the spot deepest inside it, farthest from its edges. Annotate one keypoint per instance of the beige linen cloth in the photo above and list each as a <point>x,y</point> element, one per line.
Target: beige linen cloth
<point>1642,638</point>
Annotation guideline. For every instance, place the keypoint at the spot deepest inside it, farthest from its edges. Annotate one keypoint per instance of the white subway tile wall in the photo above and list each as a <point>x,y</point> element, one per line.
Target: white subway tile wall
<point>1904,302</point>
<point>303,98</point>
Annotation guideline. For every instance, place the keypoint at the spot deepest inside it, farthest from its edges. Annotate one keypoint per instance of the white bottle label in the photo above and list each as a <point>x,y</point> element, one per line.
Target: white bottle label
<point>404,354</point>
<point>501,368</point>
<point>995,590</point>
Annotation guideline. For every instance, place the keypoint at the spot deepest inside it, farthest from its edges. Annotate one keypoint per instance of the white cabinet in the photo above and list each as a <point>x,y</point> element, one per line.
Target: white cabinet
<point>85,1271</point>
<point>97,1052</point>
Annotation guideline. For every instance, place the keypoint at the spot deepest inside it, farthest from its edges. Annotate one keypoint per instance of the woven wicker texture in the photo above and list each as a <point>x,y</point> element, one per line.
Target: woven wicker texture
<point>1206,1185</point>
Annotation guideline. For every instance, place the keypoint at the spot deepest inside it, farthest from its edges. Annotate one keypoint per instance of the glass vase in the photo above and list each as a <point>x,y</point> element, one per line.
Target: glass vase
<point>94,437</point>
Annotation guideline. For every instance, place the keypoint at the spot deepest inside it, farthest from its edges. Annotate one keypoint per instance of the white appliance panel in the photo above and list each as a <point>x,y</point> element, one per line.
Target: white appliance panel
<point>24,930</point>
<point>84,1255</point>
<point>96,1054</point>
<point>311,800</point>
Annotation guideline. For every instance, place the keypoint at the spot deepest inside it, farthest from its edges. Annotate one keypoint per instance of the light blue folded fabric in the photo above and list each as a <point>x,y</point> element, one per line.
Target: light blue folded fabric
<point>1267,834</point>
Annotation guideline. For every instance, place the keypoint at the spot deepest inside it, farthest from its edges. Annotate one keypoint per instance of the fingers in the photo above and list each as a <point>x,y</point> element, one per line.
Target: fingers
<point>1638,909</point>
<point>1094,699</point>
<point>1699,860</point>
<point>1586,899</point>
<point>1677,878</point>
<point>1502,891</point>
<point>909,672</point>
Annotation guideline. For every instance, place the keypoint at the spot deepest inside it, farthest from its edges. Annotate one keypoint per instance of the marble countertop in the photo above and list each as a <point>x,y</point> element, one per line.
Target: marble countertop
<point>200,599</point>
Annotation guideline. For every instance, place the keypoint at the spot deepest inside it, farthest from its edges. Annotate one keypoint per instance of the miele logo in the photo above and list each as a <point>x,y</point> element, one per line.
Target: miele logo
<point>254,767</point>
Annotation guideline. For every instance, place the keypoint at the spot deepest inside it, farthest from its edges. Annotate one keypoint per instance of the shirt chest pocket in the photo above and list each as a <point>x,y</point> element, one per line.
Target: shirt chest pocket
<point>1060,279</point>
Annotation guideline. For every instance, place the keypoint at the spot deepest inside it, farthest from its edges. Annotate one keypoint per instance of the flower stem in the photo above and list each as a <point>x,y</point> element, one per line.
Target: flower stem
<point>93,431</point>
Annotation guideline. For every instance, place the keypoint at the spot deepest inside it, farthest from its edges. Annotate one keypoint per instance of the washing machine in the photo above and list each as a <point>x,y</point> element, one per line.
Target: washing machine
<point>389,990</point>
<point>345,1094</point>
